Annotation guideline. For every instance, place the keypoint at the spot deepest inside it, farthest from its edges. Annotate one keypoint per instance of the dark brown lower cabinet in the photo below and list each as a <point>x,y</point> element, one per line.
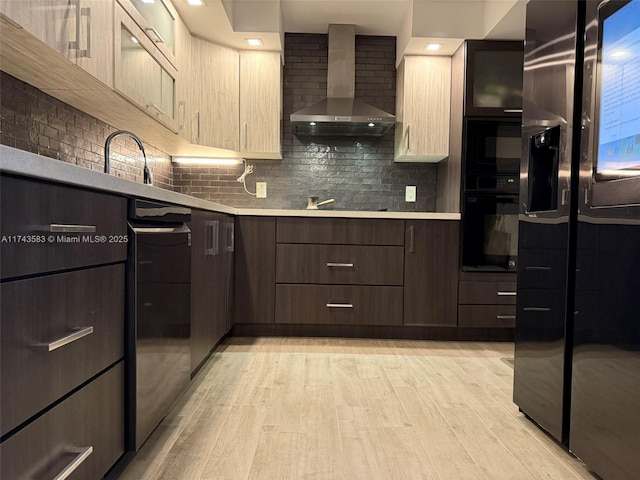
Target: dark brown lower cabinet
<point>431,272</point>
<point>255,269</point>
<point>339,304</point>
<point>487,300</point>
<point>209,276</point>
<point>488,316</point>
<point>86,430</point>
<point>56,332</point>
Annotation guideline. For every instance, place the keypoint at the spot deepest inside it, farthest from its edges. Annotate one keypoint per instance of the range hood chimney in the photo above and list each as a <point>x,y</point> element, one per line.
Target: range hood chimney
<point>340,114</point>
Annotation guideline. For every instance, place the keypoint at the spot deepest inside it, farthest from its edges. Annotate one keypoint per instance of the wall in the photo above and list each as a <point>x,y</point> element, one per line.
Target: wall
<point>33,121</point>
<point>359,174</point>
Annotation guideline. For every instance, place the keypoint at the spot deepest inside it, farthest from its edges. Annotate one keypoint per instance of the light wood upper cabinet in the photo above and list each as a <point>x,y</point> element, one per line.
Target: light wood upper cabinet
<point>215,84</point>
<point>142,73</point>
<point>260,104</point>
<point>81,30</point>
<point>95,39</point>
<point>184,87</point>
<point>422,109</point>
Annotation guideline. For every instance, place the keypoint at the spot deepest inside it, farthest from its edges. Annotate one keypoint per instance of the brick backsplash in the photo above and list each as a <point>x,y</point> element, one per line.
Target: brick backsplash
<point>33,121</point>
<point>358,173</point>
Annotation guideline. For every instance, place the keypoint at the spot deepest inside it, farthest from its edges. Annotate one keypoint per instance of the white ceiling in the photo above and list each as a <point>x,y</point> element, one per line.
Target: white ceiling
<point>414,22</point>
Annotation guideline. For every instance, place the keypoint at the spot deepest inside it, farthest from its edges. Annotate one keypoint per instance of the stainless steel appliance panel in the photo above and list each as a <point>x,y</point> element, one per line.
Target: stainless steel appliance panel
<point>159,326</point>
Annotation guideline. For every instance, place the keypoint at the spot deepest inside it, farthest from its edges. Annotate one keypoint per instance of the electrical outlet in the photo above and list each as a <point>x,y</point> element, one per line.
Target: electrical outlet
<point>261,189</point>
<point>410,193</point>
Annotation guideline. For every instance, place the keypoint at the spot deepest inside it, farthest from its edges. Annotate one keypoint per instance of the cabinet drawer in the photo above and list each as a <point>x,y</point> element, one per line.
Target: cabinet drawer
<point>36,370</point>
<point>90,420</point>
<point>487,293</point>
<point>40,211</point>
<point>340,231</point>
<point>339,264</point>
<point>503,316</point>
<point>338,305</point>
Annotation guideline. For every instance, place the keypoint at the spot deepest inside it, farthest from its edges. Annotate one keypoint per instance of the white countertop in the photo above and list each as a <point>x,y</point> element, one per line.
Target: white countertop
<point>29,164</point>
<point>347,214</point>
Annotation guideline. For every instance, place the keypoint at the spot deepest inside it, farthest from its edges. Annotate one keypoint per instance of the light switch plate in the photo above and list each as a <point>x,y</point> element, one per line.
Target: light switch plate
<point>261,189</point>
<point>410,193</point>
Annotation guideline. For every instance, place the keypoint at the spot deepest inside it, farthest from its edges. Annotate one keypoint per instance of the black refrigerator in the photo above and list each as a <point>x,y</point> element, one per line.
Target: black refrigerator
<point>605,383</point>
<point>547,216</point>
<point>577,353</point>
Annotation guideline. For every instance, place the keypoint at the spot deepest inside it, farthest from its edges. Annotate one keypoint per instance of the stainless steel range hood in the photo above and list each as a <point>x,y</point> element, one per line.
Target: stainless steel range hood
<point>340,114</point>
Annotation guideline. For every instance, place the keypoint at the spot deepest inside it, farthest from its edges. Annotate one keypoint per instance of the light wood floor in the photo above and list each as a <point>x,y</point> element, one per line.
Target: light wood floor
<point>300,408</point>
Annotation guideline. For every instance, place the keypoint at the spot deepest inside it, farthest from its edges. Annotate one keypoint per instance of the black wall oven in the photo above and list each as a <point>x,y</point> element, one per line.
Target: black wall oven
<point>493,149</point>
<point>490,232</point>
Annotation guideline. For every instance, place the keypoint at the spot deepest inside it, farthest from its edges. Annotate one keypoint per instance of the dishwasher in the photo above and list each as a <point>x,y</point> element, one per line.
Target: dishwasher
<point>158,315</point>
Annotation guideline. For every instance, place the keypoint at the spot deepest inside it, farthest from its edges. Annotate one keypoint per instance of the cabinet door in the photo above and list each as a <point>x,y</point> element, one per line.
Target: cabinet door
<point>215,89</point>
<point>184,86</point>
<point>54,22</point>
<point>431,272</point>
<point>229,247</point>
<point>260,104</point>
<point>255,280</point>
<point>424,102</point>
<point>141,72</point>
<point>494,78</point>
<point>95,39</point>
<point>206,263</point>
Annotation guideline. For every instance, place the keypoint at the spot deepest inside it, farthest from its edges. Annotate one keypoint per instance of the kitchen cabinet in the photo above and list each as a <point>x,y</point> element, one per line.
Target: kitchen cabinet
<point>260,104</point>
<point>494,78</point>
<point>83,436</point>
<point>255,269</point>
<point>423,104</point>
<point>228,246</point>
<point>80,31</point>
<point>184,85</point>
<point>431,272</point>
<point>487,300</point>
<point>209,277</point>
<point>158,19</point>
<point>141,73</point>
<point>44,211</point>
<point>346,277</point>
<point>61,330</point>
<point>215,88</point>
<point>338,305</point>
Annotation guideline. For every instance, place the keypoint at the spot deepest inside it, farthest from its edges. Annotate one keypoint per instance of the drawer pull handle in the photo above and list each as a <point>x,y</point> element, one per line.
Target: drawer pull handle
<point>537,268</point>
<point>412,235</point>
<point>537,309</point>
<point>330,264</point>
<point>83,454</point>
<point>506,317</point>
<point>512,110</point>
<point>506,294</point>
<point>339,305</point>
<point>61,342</point>
<point>61,228</point>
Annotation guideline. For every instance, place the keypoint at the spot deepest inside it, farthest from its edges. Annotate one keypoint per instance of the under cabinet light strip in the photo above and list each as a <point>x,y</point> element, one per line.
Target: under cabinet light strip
<point>207,161</point>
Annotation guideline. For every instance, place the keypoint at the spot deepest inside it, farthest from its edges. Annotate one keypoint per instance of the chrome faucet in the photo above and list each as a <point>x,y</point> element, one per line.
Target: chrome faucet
<point>107,153</point>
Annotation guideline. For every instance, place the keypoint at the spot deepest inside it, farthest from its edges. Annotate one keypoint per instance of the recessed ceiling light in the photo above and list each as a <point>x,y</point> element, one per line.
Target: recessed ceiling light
<point>148,1</point>
<point>313,124</point>
<point>254,42</point>
<point>433,47</point>
<point>371,124</point>
<point>195,2</point>
<point>134,40</point>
